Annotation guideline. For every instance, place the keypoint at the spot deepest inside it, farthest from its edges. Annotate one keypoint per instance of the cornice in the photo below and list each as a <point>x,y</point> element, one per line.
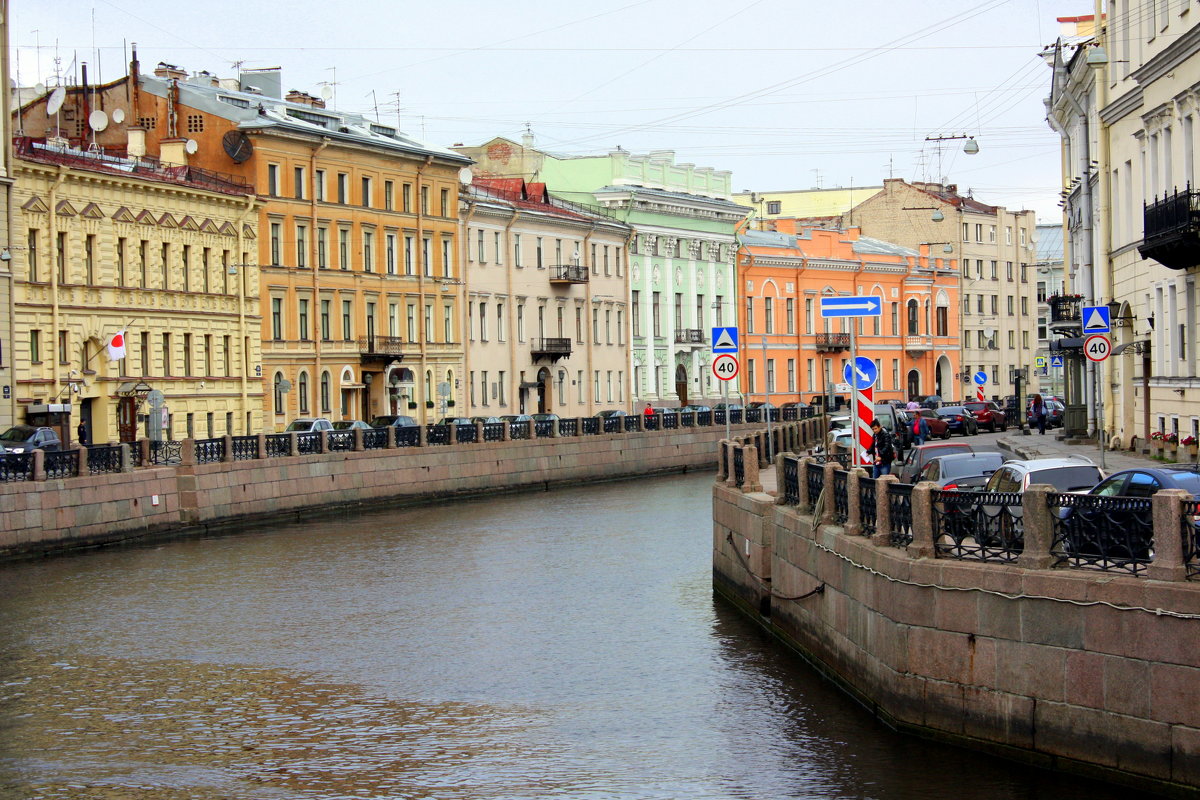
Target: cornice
<point>1122,107</point>
<point>1172,56</point>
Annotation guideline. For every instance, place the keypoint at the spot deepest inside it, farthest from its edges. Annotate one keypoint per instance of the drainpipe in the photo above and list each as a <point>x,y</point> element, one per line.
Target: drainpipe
<point>251,201</point>
<point>312,247</point>
<point>514,379</point>
<point>463,237</point>
<point>420,242</point>
<point>52,265</point>
<point>587,304</point>
<point>1104,187</point>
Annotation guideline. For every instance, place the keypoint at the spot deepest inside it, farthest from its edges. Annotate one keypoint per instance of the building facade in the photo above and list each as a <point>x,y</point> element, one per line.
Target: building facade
<point>791,353</point>
<point>681,253</point>
<point>546,288</point>
<point>1051,283</point>
<point>110,245</point>
<point>361,300</point>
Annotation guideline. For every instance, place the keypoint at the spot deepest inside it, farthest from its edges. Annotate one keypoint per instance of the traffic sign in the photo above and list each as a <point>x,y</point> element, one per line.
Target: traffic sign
<point>851,307</point>
<point>1097,348</point>
<point>1056,361</point>
<point>725,367</point>
<point>1096,319</point>
<point>1039,362</point>
<point>980,377</point>
<point>724,340</point>
<point>861,373</point>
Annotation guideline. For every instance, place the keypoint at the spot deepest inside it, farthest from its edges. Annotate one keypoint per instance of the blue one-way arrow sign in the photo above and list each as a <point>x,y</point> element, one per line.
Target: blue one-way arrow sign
<point>861,373</point>
<point>851,307</point>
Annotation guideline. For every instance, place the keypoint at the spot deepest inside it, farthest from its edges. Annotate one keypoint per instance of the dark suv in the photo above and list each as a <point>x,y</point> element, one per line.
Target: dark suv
<point>393,421</point>
<point>24,438</point>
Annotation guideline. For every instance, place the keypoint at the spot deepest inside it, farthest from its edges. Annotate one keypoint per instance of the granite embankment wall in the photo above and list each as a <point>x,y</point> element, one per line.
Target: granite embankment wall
<point>59,514</point>
<point>1093,673</point>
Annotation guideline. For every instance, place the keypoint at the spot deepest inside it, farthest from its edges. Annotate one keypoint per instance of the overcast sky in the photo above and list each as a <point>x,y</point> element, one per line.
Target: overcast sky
<point>788,94</point>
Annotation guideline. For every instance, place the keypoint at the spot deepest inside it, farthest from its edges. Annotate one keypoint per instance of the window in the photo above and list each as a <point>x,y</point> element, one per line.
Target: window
<point>635,311</point>
<point>319,184</point>
<point>656,314</point>
<point>678,311</point>
<point>750,317</point>
<point>89,259</point>
<point>1024,306</point>
<point>447,271</point>
<point>276,243</point>
<point>368,251</point>
<point>411,322</point>
<point>406,197</point>
<point>943,321</point>
<point>301,246</point>
<point>323,248</point>
<point>497,249</point>
<point>187,354</point>
<point>389,192</point>
<point>390,253</point>
<point>302,392</point>
<point>517,250</point>
<point>408,255</point>
<point>791,315</point>
<point>277,318</point>
<point>1011,305</point>
<point>121,246</point>
<point>425,200</point>
<point>325,381</point>
<point>995,305</point>
<point>343,248</point>
<point>448,323</point>
<point>303,320</point>
<point>773,206</point>
<point>913,318</point>
<point>35,347</point>
<point>325,320</point>
<point>427,257</point>
<point>343,188</point>
<point>445,202</point>
<point>273,180</point>
<point>978,232</point>
<point>278,384</point>
<point>1008,234</point>
<point>995,275</point>
<point>166,354</point>
<point>347,330</point>
<point>366,192</point>
<point>298,183</point>
<point>966,231</point>
<point>769,314</point>
<point>992,234</point>
<point>483,331</point>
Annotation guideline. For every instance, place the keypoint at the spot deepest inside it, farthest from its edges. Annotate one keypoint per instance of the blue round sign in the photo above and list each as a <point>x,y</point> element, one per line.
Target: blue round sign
<point>861,373</point>
<point>981,378</point>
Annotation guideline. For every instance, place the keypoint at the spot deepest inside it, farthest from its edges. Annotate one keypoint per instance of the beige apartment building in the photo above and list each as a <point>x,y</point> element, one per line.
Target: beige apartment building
<point>110,244</point>
<point>546,289</point>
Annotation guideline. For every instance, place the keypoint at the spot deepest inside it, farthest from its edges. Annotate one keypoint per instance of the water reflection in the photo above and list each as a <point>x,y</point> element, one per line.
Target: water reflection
<point>561,644</point>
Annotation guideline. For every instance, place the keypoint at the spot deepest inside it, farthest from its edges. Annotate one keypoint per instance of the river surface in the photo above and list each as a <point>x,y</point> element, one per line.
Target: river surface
<point>561,644</point>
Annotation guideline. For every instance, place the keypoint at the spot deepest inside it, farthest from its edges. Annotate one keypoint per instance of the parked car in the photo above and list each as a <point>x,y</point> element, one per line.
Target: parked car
<point>839,423</point>
<point>612,412</point>
<point>455,421</point>
<point>308,425</point>
<point>959,420</point>
<point>962,471</point>
<point>894,421</point>
<point>394,421</point>
<point>350,424</point>
<point>987,414</point>
<point>727,407</point>
<point>915,459</point>
<point>695,409</point>
<point>485,420</point>
<point>1074,474</point>
<point>23,438</point>
<point>1145,481</point>
<point>938,427</point>
<point>1054,413</point>
<point>546,417</point>
<point>510,418</point>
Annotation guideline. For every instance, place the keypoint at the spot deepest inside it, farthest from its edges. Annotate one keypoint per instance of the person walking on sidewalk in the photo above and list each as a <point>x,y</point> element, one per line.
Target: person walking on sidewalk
<point>1039,413</point>
<point>920,429</point>
<point>882,450</point>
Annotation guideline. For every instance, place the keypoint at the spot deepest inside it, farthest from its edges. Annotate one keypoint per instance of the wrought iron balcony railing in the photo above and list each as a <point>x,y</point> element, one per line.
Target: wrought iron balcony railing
<point>1066,310</point>
<point>1171,229</point>
<point>380,346</point>
<point>833,341</point>
<point>568,273</point>
<point>553,349</point>
<point>689,336</point>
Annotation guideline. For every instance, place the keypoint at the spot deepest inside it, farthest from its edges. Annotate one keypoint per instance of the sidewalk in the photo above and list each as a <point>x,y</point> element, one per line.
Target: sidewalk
<point>1017,445</point>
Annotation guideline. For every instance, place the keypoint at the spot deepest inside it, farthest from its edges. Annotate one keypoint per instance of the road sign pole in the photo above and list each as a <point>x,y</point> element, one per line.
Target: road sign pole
<point>725,399</point>
<point>857,452</point>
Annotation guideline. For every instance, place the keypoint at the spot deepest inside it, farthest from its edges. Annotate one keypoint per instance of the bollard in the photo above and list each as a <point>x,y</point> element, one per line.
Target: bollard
<point>922,520</point>
<point>751,480</point>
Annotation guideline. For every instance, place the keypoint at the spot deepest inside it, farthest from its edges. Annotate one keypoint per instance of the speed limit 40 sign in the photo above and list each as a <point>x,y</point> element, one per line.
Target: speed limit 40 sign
<point>725,367</point>
<point>1097,347</point>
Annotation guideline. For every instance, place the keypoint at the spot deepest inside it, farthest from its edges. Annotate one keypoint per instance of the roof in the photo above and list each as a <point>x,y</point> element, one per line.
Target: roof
<point>681,196</point>
<point>517,193</point>
<point>256,111</point>
<point>1049,244</point>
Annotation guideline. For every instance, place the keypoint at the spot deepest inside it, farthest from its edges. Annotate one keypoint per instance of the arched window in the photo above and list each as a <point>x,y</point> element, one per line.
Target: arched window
<point>942,314</point>
<point>428,384</point>
<point>325,380</point>
<point>302,392</point>
<point>450,383</point>
<point>278,382</point>
<point>914,318</point>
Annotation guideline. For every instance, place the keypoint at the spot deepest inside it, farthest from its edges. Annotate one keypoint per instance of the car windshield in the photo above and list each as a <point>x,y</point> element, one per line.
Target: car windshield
<point>944,450</point>
<point>982,462</point>
<point>300,425</point>
<point>1188,481</point>
<point>1066,479</point>
<point>18,433</point>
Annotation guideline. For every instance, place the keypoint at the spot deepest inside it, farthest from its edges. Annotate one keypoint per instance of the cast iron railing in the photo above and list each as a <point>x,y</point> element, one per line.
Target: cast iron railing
<point>437,434</point>
<point>650,422</point>
<point>308,444</point>
<point>568,427</point>
<point>589,426</point>
<point>614,424</point>
<point>791,480</point>
<point>704,418</point>
<point>61,463</point>
<point>163,453</point>
<point>900,513</point>
<point>1191,537</point>
<point>1065,308</point>
<point>841,497</point>
<point>103,459</point>
<point>376,439</point>
<point>1114,534</point>
<point>210,451</point>
<point>408,436</point>
<point>16,467</point>
<point>867,492</point>
<point>739,466</point>
<point>245,448</point>
<point>493,431</point>
<point>544,427</point>
<point>519,430</point>
<point>464,434</point>
<point>340,441</point>
<point>978,526</point>
<point>670,421</point>
<point>631,423</point>
<point>279,445</point>
<point>814,476</point>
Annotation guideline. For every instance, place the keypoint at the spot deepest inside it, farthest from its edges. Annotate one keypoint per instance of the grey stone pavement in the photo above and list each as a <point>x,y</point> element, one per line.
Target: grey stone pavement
<point>1015,444</point>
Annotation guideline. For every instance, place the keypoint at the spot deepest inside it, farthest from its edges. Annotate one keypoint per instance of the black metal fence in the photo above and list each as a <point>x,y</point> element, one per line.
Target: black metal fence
<point>437,434</point>
<point>568,427</point>
<point>1114,534</point>
<point>814,477</point>
<point>245,448</point>
<point>279,445</point>
<point>62,463</point>
<point>308,443</point>
<point>210,451</point>
<point>900,513</point>
<point>493,431</point>
<point>340,441</point>
<point>867,492</point>
<point>1190,535</point>
<point>164,453</point>
<point>16,467</point>
<point>841,498</point>
<point>978,526</point>
<point>739,466</point>
<point>102,459</point>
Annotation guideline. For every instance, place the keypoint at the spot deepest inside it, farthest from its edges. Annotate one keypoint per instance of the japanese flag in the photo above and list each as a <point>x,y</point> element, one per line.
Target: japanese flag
<point>116,346</point>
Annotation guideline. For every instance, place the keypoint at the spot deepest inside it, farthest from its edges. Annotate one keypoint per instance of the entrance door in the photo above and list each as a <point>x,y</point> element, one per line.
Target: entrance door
<point>127,419</point>
<point>914,384</point>
<point>681,384</point>
<point>543,390</point>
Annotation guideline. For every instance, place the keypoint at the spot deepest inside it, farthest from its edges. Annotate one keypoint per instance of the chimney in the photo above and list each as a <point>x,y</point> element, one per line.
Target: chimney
<point>304,98</point>
<point>168,71</point>
<point>136,148</point>
<point>171,152</point>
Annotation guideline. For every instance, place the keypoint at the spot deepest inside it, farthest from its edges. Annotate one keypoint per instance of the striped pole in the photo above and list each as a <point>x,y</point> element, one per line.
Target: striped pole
<point>979,394</point>
<point>865,399</point>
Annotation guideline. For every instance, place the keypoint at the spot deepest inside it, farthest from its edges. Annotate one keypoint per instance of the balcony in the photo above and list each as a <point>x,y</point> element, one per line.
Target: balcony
<point>553,349</point>
<point>1066,311</point>
<point>689,336</point>
<point>915,345</point>
<point>567,274</point>
<point>380,348</point>
<point>1172,230</point>
<point>832,342</point>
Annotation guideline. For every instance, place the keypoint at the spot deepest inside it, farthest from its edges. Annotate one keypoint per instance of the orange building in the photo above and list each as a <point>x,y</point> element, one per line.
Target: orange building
<point>791,352</point>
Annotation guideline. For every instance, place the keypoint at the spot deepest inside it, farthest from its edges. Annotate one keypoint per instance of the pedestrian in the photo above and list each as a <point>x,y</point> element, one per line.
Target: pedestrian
<point>882,450</point>
<point>649,412</point>
<point>81,433</point>
<point>1039,413</point>
<point>913,405</point>
<point>920,428</point>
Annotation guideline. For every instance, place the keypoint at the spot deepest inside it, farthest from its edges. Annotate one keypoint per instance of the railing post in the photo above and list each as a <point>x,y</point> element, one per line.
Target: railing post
<point>187,452</point>
<point>452,437</point>
<point>391,437</point>
<point>827,508</point>
<point>293,444</point>
<point>780,481</point>
<point>922,520</point>
<point>358,440</point>
<point>422,436</point>
<point>883,510</point>
<point>730,469</point>
<point>83,459</point>
<point>555,429</point>
<point>853,525</point>
<point>262,446</point>
<point>227,451</point>
<point>751,478</point>
<point>507,435</point>
<point>802,476</point>
<point>143,446</point>
<point>1038,522</point>
<point>722,458</point>
<point>323,441</point>
<point>478,433</point>
<point>126,457</point>
<point>1167,512</point>
<point>641,422</point>
<point>39,465</point>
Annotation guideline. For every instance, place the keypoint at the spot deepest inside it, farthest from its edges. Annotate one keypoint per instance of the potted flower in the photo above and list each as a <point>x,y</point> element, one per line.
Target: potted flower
<point>1171,440</point>
<point>1157,442</point>
<point>429,404</point>
<point>412,405</point>
<point>1190,443</point>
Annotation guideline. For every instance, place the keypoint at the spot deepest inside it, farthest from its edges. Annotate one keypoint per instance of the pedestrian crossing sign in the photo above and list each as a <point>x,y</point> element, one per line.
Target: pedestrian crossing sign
<point>1056,361</point>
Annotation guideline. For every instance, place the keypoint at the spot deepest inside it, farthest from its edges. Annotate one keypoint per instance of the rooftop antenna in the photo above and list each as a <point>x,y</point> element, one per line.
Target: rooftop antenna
<point>375,103</point>
<point>816,177</point>
<point>332,84</point>
<point>396,95</point>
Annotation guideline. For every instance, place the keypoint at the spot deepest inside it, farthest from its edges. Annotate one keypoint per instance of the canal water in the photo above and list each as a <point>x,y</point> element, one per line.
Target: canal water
<point>562,644</point>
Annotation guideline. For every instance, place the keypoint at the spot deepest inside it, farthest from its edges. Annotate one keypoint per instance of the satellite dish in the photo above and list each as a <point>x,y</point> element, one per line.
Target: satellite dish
<point>326,91</point>
<point>39,88</point>
<point>97,120</point>
<point>56,100</point>
<point>237,146</point>
<point>118,115</point>
<point>191,146</point>
<point>465,175</point>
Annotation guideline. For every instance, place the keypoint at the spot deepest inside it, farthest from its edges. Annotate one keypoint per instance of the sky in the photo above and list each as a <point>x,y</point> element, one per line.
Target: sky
<point>786,94</point>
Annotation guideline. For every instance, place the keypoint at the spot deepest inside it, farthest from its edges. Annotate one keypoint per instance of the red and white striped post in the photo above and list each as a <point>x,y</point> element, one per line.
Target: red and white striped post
<point>979,394</point>
<point>865,399</point>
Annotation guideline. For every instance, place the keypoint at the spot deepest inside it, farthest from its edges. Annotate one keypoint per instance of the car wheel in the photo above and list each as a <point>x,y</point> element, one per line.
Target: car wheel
<point>992,427</point>
<point>946,435</point>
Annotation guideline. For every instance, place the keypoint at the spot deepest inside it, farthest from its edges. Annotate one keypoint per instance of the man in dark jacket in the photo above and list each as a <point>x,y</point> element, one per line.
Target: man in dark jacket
<point>882,450</point>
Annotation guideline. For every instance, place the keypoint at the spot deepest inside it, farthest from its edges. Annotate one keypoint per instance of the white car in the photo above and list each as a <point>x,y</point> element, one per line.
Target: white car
<point>309,425</point>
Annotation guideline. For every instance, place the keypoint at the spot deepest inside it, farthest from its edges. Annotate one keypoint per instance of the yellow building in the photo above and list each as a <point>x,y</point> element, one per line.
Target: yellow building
<point>106,245</point>
<point>810,204</point>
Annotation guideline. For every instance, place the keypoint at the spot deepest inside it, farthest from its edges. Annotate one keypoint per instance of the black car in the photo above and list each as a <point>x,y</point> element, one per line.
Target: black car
<point>24,438</point>
<point>393,421</point>
<point>962,471</point>
<point>959,419</point>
